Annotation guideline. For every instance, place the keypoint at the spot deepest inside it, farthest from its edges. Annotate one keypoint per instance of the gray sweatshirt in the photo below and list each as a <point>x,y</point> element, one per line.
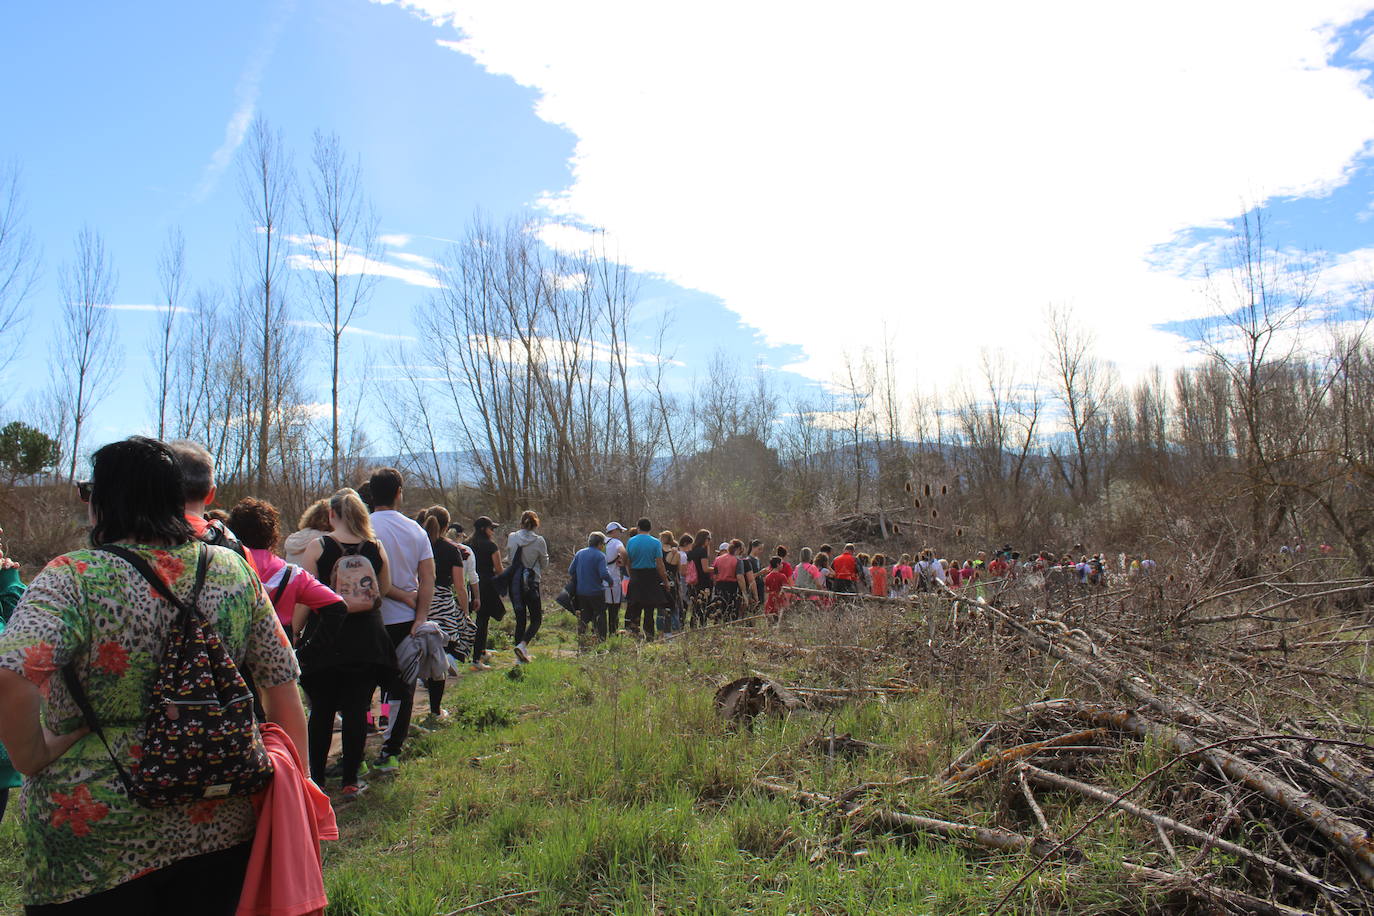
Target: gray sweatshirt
<point>535,553</point>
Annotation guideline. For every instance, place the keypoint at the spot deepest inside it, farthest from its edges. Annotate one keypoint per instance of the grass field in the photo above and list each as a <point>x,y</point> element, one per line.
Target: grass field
<point>606,782</point>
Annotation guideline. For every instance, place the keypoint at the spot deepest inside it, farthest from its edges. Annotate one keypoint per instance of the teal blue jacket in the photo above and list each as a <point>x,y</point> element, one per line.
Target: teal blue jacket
<point>11,590</point>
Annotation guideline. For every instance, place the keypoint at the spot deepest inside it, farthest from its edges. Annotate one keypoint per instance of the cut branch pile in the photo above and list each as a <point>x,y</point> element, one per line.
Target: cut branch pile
<point>1251,719</point>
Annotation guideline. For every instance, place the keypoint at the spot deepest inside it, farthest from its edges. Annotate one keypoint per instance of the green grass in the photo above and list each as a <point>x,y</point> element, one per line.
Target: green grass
<point>607,784</point>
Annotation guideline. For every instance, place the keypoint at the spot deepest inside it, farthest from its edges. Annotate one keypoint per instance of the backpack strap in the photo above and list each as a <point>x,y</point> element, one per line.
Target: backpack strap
<point>78,693</point>
<point>281,586</point>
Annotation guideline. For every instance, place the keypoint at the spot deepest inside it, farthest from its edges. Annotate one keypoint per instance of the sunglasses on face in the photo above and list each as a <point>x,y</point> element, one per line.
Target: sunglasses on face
<point>83,490</point>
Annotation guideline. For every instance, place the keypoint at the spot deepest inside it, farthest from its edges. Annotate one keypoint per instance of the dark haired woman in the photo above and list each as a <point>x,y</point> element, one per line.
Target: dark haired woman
<point>448,609</point>
<point>88,846</point>
<point>699,558</point>
<point>525,598</point>
<point>488,562</point>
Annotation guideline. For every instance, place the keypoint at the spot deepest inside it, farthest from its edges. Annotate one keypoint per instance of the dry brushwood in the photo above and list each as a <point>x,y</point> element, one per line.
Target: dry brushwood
<point>1260,711</point>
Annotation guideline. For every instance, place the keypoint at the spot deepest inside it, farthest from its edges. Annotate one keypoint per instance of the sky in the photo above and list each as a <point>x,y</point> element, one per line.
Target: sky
<point>791,181</point>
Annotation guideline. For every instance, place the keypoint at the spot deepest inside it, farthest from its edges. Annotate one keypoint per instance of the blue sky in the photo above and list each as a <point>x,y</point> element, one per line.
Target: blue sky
<point>791,179</point>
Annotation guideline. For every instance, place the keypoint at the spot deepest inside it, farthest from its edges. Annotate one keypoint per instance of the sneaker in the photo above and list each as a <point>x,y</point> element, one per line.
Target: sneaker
<point>521,655</point>
<point>435,720</point>
<point>363,768</point>
<point>480,666</point>
<point>333,771</point>
<point>387,763</point>
<point>350,793</point>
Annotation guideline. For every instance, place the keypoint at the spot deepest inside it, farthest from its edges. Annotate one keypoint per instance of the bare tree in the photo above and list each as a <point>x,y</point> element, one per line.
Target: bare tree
<point>856,386</point>
<point>1084,384</point>
<point>1261,300</point>
<point>171,275</point>
<point>341,240</point>
<point>265,185</point>
<point>85,351</point>
<point>18,258</point>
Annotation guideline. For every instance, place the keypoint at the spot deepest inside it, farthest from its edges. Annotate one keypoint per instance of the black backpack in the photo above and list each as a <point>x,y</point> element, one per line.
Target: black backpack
<point>218,535</point>
<point>200,738</point>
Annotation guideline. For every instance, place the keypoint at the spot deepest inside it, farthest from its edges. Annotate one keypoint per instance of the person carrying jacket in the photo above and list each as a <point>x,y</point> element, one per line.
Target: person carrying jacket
<point>590,578</point>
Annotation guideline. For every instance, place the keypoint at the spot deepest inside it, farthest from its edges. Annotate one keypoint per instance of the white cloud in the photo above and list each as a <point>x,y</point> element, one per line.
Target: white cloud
<point>418,260</point>
<point>354,263</point>
<point>352,329</point>
<point>144,307</point>
<point>512,350</point>
<point>949,168</point>
<point>246,101</point>
<point>395,240</point>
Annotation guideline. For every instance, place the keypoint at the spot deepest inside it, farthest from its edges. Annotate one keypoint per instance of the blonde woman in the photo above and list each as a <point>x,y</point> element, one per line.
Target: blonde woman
<point>313,523</point>
<point>358,655</point>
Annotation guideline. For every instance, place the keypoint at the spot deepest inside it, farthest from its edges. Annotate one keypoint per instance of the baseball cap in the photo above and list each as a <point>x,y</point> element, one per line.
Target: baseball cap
<point>614,526</point>
<point>724,545</point>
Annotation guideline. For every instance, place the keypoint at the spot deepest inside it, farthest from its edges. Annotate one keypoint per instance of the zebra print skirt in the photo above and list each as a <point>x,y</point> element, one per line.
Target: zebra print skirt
<point>457,627</point>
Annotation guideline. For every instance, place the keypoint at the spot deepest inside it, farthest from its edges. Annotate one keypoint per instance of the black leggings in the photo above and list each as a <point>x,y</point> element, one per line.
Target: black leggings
<point>490,598</point>
<point>207,884</point>
<point>347,691</point>
<point>436,695</point>
<point>535,612</point>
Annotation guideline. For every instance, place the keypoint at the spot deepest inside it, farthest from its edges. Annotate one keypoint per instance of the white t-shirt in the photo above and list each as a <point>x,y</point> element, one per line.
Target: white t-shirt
<point>407,546</point>
<point>469,566</point>
<point>614,547</point>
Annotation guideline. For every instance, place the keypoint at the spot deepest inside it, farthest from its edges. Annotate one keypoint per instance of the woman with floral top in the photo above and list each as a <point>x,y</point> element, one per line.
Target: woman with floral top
<point>88,847</point>
<point>11,590</point>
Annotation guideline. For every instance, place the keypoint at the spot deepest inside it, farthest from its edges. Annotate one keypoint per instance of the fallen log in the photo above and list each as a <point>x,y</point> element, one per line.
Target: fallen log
<point>1209,893</point>
<point>970,752</point>
<point>993,838</point>
<point>1000,840</point>
<point>1055,780</point>
<point>1020,752</point>
<point>1345,836</point>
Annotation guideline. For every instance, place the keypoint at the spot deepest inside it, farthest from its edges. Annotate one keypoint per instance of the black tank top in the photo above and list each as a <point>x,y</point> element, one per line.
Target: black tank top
<point>333,549</point>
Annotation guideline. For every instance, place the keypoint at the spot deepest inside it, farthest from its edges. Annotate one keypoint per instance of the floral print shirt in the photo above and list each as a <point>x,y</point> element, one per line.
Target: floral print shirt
<point>82,835</point>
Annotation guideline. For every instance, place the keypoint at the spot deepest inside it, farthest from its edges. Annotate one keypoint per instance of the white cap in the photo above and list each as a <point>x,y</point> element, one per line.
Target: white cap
<point>724,545</point>
<point>614,526</point>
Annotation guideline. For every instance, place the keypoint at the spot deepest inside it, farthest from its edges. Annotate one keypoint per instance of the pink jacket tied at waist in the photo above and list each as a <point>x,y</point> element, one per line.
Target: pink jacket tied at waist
<point>285,873</point>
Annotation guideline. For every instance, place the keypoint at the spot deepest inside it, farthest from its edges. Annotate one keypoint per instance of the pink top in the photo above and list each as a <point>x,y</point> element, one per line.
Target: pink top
<point>301,588</point>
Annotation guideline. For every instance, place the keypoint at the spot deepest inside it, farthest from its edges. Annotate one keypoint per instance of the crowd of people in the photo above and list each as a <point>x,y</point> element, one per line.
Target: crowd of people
<point>358,605</point>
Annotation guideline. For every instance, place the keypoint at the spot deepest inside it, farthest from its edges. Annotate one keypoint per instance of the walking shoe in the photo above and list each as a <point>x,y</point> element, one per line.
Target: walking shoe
<point>521,655</point>
<point>436,719</point>
<point>351,793</point>
<point>387,763</point>
<point>480,666</point>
